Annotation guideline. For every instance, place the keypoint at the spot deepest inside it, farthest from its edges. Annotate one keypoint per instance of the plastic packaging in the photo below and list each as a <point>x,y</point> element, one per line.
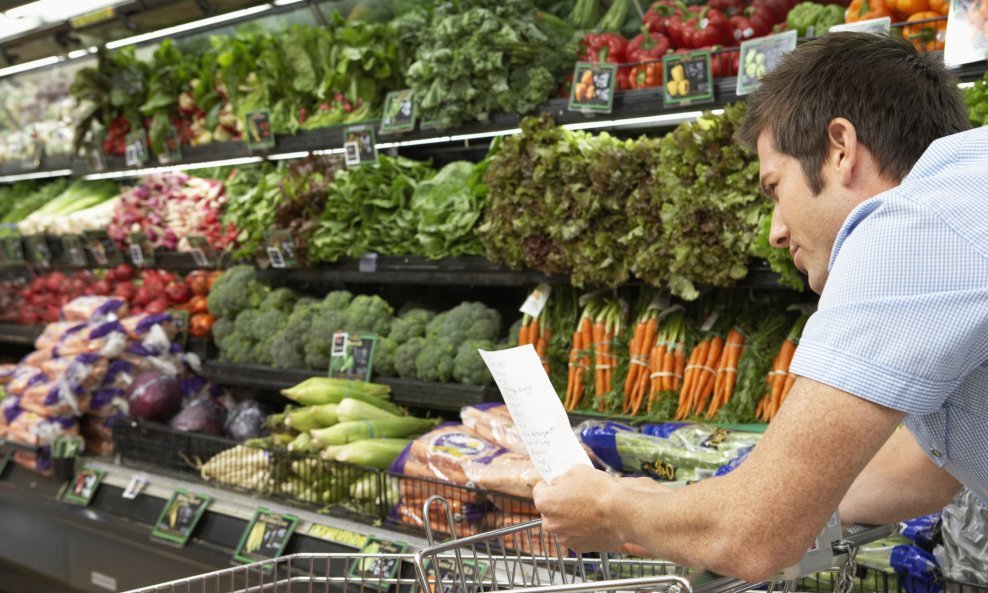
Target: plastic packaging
<point>493,422</point>
<point>55,400</point>
<point>7,373</point>
<point>54,332</point>
<point>84,371</point>
<point>442,453</point>
<point>246,420</point>
<point>137,326</point>
<point>94,309</point>
<point>963,554</point>
<point>36,430</point>
<point>917,568</point>
<point>25,376</point>
<point>508,473</point>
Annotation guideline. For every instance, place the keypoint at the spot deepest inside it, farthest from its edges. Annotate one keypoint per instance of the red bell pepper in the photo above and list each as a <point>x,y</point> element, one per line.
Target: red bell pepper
<point>778,8</point>
<point>603,48</point>
<point>724,62</point>
<point>709,27</point>
<point>676,26</point>
<point>647,47</point>
<point>752,23</point>
<point>728,7</point>
<point>656,18</point>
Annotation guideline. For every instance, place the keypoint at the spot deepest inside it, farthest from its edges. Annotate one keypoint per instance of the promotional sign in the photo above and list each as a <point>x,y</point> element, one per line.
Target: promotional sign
<point>687,79</point>
<point>359,145</point>
<point>759,57</point>
<point>83,486</point>
<point>593,87</point>
<point>266,536</point>
<point>179,517</point>
<point>399,112</point>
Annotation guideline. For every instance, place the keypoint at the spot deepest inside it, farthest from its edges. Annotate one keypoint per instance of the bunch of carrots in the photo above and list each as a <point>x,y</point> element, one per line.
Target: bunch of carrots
<point>535,332</point>
<point>780,380</point>
<point>641,352</point>
<point>599,326</point>
<point>668,361</point>
<point>711,374</point>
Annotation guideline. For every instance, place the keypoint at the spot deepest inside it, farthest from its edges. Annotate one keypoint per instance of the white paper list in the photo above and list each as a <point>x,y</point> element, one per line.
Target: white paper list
<point>538,414</point>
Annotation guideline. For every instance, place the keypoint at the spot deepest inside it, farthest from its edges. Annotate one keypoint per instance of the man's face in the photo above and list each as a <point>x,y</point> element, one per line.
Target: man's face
<point>806,224</point>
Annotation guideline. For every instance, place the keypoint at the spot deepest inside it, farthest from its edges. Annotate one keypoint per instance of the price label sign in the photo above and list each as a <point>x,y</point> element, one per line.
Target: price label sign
<point>172,152</point>
<point>880,26</point>
<point>202,251</point>
<point>259,135</point>
<point>135,487</point>
<point>38,251</point>
<point>14,248</point>
<point>399,112</point>
<point>339,536</point>
<point>593,87</point>
<point>536,300</point>
<point>352,357</point>
<point>359,145</point>
<point>136,151</point>
<point>266,536</point>
<point>280,247</point>
<point>966,38</point>
<point>759,57</point>
<point>141,250</point>
<point>381,570</point>
<point>73,250</point>
<point>687,79</point>
<point>83,486</point>
<point>179,517</point>
<point>102,249</point>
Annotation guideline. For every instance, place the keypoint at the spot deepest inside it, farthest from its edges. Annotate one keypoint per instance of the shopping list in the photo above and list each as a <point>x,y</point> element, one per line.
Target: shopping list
<point>536,410</point>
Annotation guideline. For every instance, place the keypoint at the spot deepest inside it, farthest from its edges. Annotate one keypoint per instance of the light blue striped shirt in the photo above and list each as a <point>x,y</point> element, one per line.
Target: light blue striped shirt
<point>903,320</point>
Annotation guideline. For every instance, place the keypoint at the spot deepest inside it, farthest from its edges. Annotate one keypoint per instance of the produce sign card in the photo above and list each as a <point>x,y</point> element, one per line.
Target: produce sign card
<point>135,487</point>
<point>382,568</point>
<point>447,575</point>
<point>141,250</point>
<point>687,79</point>
<point>593,87</point>
<point>340,536</point>
<point>352,357</point>
<point>202,251</point>
<point>259,134</point>
<point>102,249</point>
<point>136,151</point>
<point>359,146</point>
<point>535,407</point>
<point>966,37</point>
<point>266,536</point>
<point>83,486</point>
<point>73,250</point>
<point>280,247</point>
<point>38,251</point>
<point>399,112</point>
<point>172,148</point>
<point>13,248</point>
<point>880,26</point>
<point>179,517</point>
<point>759,57</point>
<point>536,300</point>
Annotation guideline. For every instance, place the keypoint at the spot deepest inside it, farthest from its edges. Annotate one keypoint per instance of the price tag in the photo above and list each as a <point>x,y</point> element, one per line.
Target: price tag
<point>352,357</point>
<point>35,154</point>
<point>91,18</point>
<point>259,135</point>
<point>340,536</point>
<point>179,517</point>
<point>280,247</point>
<point>266,536</point>
<point>172,148</point>
<point>202,251</point>
<point>73,250</point>
<point>399,112</point>
<point>83,486</point>
<point>367,263</point>
<point>136,151</point>
<point>966,38</point>
<point>180,320</point>
<point>14,248</point>
<point>536,300</point>
<point>759,57</point>
<point>141,250</point>
<point>880,26</point>
<point>102,249</point>
<point>95,157</point>
<point>687,79</point>
<point>444,575</point>
<point>359,145</point>
<point>38,251</point>
<point>381,570</point>
<point>593,87</point>
<point>135,487</point>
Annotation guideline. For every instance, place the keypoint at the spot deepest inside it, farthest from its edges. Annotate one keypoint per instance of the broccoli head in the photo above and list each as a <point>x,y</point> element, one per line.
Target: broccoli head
<point>281,299</point>
<point>236,348</point>
<point>384,357</point>
<point>435,361</point>
<point>268,324</point>
<point>245,321</point>
<point>411,324</point>
<point>466,321</point>
<point>261,352</point>
<point>288,346</point>
<point>468,367</point>
<point>369,314</point>
<point>405,355</point>
<point>222,327</point>
<point>337,300</point>
<point>319,336</point>
<point>236,290</point>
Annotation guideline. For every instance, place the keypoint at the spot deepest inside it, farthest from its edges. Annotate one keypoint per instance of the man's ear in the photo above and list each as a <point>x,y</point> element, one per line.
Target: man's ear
<point>842,149</point>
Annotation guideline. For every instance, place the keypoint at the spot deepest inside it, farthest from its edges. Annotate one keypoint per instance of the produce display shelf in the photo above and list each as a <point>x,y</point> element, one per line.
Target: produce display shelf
<point>24,335</point>
<point>449,397</point>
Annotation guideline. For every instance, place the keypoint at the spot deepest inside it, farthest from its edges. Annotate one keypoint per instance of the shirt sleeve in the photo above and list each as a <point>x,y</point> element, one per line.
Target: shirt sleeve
<point>904,315</point>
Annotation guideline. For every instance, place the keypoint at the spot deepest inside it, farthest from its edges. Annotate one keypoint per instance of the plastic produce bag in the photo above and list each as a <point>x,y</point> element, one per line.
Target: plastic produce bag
<point>35,430</point>
<point>442,453</point>
<point>94,309</point>
<point>54,332</point>
<point>493,422</point>
<point>964,552</point>
<point>918,569</point>
<point>203,414</point>
<point>55,400</point>
<point>7,373</point>
<point>246,421</point>
<point>84,371</point>
<point>138,326</point>
<point>25,376</point>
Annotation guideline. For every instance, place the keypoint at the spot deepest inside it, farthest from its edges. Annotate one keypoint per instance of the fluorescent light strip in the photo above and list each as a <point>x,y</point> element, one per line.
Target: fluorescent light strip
<point>669,118</point>
<point>288,155</point>
<point>35,175</point>
<point>479,135</point>
<point>286,2</point>
<point>170,31</point>
<point>30,65</point>
<point>329,151</point>
<point>385,145</point>
<point>420,142</point>
<point>173,168</point>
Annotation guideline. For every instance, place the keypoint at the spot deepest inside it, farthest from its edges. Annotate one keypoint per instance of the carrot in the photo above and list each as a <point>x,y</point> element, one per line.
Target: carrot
<point>634,353</point>
<point>708,374</point>
<point>533,331</point>
<point>692,377</point>
<point>790,379</point>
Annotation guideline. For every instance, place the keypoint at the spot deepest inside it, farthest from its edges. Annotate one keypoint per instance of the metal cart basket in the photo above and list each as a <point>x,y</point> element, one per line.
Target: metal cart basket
<point>521,558</point>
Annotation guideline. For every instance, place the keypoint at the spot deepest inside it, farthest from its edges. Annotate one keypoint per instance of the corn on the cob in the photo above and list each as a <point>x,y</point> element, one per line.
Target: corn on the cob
<point>377,453</point>
<point>357,430</point>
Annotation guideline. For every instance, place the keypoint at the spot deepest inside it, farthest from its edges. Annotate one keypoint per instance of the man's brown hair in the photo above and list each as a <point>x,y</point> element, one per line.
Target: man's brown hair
<point>899,101</point>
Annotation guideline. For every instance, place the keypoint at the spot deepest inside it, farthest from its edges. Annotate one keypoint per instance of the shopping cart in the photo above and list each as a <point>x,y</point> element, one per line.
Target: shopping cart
<point>521,559</point>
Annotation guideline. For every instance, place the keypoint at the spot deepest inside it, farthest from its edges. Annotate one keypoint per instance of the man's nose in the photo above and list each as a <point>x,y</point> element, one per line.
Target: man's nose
<point>779,233</point>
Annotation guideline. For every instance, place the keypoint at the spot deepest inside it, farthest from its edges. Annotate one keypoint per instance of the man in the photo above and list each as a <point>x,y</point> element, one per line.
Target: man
<point>893,233</point>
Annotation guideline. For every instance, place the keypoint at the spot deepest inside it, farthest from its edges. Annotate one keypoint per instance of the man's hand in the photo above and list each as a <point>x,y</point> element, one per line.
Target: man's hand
<point>583,509</point>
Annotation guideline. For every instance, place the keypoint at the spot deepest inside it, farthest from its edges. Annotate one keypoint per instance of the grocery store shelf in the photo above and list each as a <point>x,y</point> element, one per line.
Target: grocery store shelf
<point>406,392</point>
<point>19,334</point>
